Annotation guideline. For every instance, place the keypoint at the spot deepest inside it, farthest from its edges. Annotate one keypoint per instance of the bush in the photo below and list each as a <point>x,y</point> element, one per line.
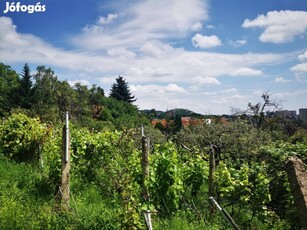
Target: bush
<point>20,137</point>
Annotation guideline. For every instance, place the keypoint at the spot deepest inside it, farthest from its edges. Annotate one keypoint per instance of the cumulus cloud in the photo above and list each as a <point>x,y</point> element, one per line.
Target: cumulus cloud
<point>247,72</point>
<point>300,70</point>
<point>200,80</point>
<point>81,82</point>
<point>279,26</point>
<point>302,67</point>
<point>157,90</point>
<point>106,20</point>
<point>303,57</point>
<point>205,41</point>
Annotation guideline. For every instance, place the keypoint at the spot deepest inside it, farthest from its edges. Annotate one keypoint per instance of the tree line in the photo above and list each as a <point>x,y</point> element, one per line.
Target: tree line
<point>42,94</point>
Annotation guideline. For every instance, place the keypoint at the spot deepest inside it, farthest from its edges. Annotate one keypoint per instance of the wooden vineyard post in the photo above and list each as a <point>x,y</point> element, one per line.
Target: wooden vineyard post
<point>145,171</point>
<point>65,172</point>
<point>211,191</point>
<point>211,172</point>
<point>145,165</point>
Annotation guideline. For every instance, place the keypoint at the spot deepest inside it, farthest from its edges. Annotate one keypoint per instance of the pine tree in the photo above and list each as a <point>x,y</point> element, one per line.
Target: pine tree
<point>120,91</point>
<point>25,90</point>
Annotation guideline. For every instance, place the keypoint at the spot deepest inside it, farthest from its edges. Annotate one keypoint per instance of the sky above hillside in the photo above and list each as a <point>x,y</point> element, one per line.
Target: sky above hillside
<point>206,56</point>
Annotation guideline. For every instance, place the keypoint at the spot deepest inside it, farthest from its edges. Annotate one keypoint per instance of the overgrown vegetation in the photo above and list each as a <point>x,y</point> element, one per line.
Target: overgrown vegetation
<point>106,174</point>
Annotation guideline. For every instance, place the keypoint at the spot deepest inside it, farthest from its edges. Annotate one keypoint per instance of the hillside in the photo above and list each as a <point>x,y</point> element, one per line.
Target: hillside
<point>171,114</point>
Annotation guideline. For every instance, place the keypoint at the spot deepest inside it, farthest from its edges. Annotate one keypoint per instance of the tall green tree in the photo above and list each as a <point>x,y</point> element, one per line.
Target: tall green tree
<point>120,91</point>
<point>25,90</point>
<point>9,84</point>
<point>96,95</point>
<point>45,87</point>
<point>81,108</point>
<point>65,98</point>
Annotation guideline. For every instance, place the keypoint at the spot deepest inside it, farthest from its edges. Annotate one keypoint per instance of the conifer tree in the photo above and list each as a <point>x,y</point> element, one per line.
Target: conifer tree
<point>120,91</point>
<point>25,88</point>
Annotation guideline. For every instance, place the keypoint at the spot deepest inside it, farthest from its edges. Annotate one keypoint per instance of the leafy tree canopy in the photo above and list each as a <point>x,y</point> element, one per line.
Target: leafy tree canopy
<point>9,83</point>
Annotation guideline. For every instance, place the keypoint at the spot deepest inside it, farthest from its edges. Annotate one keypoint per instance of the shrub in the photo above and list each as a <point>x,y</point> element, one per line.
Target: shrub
<point>20,137</point>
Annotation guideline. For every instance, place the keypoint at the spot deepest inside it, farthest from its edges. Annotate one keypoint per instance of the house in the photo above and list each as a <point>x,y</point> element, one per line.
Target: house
<point>163,122</point>
<point>188,121</point>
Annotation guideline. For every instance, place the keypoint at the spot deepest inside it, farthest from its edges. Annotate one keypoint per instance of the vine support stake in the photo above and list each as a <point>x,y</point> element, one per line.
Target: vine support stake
<point>65,175</point>
<point>211,191</point>
<point>145,164</point>
<point>145,171</point>
<point>224,213</point>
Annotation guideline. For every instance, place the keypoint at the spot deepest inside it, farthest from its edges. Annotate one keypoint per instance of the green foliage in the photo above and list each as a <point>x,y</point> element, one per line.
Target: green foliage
<point>106,177</point>
<point>21,136</point>
<point>110,160</point>
<point>247,187</point>
<point>196,172</point>
<point>276,156</point>
<point>166,178</point>
<point>9,83</point>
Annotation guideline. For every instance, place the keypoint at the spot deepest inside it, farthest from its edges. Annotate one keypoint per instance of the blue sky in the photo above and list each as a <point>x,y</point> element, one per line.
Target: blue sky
<point>206,56</point>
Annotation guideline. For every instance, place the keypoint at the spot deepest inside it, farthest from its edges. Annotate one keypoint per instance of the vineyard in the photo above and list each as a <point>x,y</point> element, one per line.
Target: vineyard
<point>107,180</point>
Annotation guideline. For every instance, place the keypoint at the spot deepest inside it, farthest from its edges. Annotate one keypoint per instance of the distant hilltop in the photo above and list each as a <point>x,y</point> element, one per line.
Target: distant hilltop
<point>179,112</point>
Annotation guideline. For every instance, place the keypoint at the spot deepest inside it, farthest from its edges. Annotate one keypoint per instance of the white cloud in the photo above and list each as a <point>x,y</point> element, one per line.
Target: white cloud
<point>237,43</point>
<point>107,80</point>
<point>281,80</point>
<point>121,53</point>
<point>197,26</point>
<point>303,57</point>
<point>175,88</point>
<point>158,49</point>
<point>210,26</point>
<point>21,48</point>
<point>300,70</point>
<point>205,41</point>
<point>142,21</point>
<point>154,61</point>
<point>301,77</point>
<point>231,90</point>
<point>107,20</point>
<point>200,80</point>
<point>157,90</point>
<point>302,67</point>
<point>280,26</point>
<point>81,82</point>
<point>247,72</point>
